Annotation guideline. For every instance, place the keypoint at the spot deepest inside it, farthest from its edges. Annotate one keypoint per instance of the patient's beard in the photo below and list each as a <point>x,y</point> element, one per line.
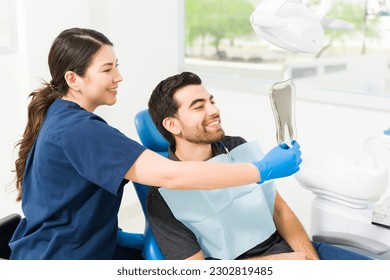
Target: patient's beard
<point>202,137</point>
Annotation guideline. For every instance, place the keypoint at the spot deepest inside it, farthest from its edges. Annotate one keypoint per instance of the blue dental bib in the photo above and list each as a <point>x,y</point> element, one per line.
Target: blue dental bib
<point>227,222</point>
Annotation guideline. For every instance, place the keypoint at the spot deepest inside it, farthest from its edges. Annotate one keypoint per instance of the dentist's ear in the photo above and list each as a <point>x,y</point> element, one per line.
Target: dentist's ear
<point>71,79</point>
<point>172,125</point>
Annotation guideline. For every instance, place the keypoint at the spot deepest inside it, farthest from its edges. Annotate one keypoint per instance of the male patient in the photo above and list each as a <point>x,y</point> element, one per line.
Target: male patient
<point>185,114</point>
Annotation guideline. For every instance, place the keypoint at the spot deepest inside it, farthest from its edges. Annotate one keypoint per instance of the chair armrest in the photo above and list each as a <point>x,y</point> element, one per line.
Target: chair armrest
<point>352,240</point>
<point>130,240</point>
<point>151,249</point>
<point>8,225</point>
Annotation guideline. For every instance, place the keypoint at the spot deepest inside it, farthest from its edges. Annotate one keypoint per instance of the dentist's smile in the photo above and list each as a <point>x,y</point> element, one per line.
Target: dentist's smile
<point>113,90</point>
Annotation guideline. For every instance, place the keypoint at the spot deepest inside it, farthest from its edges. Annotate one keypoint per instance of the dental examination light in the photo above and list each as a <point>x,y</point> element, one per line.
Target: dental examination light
<point>291,25</point>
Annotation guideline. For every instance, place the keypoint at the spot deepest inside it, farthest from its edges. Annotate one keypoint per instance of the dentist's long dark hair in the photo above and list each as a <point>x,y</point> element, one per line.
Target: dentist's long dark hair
<point>73,50</point>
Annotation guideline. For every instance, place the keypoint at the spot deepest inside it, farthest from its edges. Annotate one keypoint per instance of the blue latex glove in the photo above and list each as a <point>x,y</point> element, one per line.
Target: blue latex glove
<point>387,131</point>
<point>281,161</point>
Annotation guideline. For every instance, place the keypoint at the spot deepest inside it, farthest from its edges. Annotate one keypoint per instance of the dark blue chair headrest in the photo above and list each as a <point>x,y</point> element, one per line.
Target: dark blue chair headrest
<point>149,135</point>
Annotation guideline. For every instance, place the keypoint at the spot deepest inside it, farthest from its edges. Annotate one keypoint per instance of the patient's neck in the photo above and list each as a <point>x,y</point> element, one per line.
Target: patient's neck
<point>186,151</point>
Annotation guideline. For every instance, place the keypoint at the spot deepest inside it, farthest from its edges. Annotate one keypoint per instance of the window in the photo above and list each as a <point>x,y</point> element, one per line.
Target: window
<point>219,40</point>
<point>7,26</point>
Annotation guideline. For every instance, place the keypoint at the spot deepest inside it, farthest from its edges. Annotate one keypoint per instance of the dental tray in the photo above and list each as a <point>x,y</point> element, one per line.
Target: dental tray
<point>381,214</point>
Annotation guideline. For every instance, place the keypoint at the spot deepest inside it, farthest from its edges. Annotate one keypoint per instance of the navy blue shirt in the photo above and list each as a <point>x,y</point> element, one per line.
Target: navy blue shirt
<point>73,186</point>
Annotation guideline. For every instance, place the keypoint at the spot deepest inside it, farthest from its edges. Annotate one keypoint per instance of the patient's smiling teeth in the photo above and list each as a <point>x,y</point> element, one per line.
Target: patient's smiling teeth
<point>217,122</point>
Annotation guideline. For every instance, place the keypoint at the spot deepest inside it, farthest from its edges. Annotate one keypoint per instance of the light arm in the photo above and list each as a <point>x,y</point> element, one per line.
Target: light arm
<point>264,15</point>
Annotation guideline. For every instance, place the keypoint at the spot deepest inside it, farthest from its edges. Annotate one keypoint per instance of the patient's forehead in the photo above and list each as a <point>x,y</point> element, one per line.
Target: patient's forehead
<point>186,96</point>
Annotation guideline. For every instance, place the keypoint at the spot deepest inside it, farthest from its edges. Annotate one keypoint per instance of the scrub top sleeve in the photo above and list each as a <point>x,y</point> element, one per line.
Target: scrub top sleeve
<point>99,152</point>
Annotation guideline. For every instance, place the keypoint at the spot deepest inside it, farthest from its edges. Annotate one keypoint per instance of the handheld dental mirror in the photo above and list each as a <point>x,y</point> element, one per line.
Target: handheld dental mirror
<point>282,97</point>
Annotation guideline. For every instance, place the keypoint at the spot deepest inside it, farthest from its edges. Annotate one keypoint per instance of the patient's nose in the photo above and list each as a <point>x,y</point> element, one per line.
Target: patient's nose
<point>212,109</point>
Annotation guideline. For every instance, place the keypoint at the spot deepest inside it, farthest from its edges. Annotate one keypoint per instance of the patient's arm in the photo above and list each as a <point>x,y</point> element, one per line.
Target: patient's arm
<point>282,256</point>
<point>197,256</point>
<point>291,229</point>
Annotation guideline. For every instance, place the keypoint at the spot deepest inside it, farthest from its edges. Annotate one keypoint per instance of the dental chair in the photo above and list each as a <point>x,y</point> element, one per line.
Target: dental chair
<point>152,139</point>
<point>8,225</point>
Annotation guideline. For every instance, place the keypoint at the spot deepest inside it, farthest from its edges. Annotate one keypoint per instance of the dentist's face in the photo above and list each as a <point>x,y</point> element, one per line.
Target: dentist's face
<point>100,84</point>
<point>198,117</point>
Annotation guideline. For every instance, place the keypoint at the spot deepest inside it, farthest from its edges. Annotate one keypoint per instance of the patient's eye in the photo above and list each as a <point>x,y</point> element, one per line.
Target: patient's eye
<point>199,107</point>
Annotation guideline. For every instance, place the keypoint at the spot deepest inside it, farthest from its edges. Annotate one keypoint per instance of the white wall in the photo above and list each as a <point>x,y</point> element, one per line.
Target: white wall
<point>146,39</point>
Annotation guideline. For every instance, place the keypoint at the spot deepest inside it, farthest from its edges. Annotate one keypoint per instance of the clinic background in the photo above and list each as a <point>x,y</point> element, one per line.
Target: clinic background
<point>148,39</point>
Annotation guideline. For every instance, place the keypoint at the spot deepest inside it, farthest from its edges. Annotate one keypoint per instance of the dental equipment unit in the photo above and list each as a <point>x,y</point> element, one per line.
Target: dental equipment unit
<point>351,208</point>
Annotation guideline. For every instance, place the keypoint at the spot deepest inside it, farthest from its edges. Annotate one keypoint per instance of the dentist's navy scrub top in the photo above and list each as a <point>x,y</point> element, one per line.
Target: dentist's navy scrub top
<point>73,186</point>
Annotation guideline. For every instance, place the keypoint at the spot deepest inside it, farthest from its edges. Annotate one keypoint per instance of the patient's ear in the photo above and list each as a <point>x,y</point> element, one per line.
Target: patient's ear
<point>172,125</point>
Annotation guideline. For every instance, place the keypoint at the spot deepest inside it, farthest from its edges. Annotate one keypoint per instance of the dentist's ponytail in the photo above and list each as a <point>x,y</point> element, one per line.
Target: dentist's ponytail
<point>73,50</point>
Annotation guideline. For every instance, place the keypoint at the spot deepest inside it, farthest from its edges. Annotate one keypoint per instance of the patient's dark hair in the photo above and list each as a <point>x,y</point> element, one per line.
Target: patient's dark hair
<point>162,103</point>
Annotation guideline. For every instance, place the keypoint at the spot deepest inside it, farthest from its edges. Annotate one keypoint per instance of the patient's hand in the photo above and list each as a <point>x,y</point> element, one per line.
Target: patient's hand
<point>283,256</point>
